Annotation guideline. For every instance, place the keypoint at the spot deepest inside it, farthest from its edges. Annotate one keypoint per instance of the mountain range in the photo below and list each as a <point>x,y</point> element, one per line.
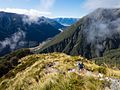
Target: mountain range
<point>91,36</point>
<point>93,40</point>
<point>21,31</point>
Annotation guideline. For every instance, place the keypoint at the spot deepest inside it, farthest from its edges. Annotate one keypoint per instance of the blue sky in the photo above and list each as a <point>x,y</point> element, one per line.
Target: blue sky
<point>56,8</point>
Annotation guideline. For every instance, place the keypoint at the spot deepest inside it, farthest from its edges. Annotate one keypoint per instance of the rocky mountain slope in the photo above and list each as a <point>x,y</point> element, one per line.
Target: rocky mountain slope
<point>91,36</point>
<point>21,31</point>
<point>58,71</point>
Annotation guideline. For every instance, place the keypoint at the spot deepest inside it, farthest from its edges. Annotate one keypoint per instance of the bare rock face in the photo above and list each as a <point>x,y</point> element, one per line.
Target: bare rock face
<point>115,84</point>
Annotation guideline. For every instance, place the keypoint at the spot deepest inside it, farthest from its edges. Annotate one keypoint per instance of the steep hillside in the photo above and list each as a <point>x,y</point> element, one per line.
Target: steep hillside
<point>57,71</point>
<point>10,61</point>
<point>21,31</point>
<point>91,36</point>
<point>110,58</point>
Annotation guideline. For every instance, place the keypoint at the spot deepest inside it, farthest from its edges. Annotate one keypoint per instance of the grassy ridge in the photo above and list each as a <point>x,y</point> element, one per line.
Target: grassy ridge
<point>53,72</point>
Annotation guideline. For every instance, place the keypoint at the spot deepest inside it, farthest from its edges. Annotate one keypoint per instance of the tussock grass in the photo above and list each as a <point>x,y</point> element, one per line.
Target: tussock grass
<point>51,72</point>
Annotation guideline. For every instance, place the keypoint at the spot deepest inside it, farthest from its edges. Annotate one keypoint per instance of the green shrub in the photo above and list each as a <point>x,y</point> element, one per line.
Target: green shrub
<point>102,69</point>
<point>10,61</point>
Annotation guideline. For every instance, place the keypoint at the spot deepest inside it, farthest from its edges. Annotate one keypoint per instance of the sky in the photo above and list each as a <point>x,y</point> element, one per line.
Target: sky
<point>56,8</point>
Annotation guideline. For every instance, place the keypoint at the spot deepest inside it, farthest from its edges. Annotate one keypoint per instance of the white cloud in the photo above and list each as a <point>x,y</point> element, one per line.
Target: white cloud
<point>42,10</point>
<point>13,41</point>
<point>94,4</point>
<point>30,12</point>
<point>46,4</point>
<point>30,19</point>
<point>33,15</point>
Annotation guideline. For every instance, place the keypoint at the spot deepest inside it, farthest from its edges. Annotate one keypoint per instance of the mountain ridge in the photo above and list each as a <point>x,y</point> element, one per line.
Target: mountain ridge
<point>21,31</point>
<point>91,36</point>
<point>54,71</point>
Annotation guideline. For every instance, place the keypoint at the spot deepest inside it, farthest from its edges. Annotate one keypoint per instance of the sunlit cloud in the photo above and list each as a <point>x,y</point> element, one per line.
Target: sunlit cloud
<point>94,4</point>
<point>30,12</point>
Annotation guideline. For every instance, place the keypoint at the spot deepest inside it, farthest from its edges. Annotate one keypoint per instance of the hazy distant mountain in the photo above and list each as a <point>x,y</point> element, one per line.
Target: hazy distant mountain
<point>54,23</point>
<point>18,31</point>
<point>91,36</point>
<point>66,21</point>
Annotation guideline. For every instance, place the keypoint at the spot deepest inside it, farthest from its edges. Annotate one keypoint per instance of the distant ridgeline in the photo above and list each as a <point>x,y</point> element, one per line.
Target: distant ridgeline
<point>66,21</point>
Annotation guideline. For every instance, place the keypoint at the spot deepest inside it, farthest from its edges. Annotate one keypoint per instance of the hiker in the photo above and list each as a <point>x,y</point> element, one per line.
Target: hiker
<point>81,66</point>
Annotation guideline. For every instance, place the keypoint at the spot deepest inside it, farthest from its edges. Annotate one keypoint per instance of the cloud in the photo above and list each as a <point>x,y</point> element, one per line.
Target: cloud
<point>30,12</point>
<point>46,4</point>
<point>94,4</point>
<point>98,30</point>
<point>30,19</point>
<point>13,41</point>
<point>43,8</point>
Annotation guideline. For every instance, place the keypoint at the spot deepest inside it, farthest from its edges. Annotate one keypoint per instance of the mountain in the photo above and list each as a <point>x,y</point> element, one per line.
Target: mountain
<point>66,21</point>
<point>56,71</point>
<point>90,37</point>
<point>11,60</point>
<point>110,58</point>
<point>54,23</point>
<point>21,31</point>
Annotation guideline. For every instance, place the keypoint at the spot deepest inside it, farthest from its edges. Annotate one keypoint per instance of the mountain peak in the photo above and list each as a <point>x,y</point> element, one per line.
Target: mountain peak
<point>105,13</point>
<point>91,36</point>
